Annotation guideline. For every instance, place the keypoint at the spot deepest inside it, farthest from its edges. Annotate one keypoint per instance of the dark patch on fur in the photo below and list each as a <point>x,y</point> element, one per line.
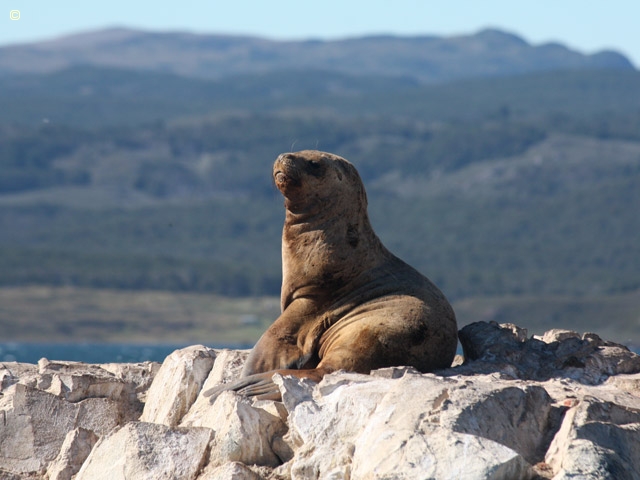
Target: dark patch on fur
<point>352,235</point>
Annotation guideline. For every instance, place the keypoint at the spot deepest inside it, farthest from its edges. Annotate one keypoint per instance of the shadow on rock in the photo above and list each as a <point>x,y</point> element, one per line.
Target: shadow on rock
<point>506,349</point>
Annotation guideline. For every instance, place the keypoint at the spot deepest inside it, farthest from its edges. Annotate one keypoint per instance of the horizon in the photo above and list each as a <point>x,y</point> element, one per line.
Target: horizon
<point>585,28</point>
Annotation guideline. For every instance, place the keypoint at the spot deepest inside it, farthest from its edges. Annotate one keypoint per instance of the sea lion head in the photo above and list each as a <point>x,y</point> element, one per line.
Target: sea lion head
<point>311,180</point>
<point>327,239</point>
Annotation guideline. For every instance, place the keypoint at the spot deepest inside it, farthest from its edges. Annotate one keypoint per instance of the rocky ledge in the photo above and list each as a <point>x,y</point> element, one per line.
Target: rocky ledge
<point>558,406</point>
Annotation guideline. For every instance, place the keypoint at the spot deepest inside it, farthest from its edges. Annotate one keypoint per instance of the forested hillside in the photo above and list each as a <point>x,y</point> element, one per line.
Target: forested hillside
<point>522,185</point>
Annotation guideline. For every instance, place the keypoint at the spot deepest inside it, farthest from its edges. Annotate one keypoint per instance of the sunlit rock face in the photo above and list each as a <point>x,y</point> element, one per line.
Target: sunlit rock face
<point>561,405</point>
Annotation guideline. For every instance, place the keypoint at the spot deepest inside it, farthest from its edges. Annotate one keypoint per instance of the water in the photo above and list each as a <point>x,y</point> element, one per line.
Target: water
<point>102,352</point>
<point>90,352</point>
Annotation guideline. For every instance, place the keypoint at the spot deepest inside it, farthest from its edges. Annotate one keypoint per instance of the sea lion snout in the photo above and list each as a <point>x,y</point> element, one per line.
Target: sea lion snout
<point>300,164</point>
<point>286,173</point>
<point>290,169</point>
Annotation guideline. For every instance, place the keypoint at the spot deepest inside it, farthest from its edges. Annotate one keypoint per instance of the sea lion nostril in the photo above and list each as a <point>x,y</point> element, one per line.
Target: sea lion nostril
<point>280,177</point>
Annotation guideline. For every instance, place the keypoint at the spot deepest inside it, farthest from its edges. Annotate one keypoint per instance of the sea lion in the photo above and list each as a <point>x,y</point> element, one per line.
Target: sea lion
<point>347,302</point>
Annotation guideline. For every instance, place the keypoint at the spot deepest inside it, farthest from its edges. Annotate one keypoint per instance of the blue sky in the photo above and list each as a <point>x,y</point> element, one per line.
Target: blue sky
<point>585,25</point>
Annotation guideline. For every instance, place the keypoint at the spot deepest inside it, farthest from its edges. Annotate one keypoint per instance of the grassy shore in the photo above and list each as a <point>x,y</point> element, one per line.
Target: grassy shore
<point>37,314</point>
<point>52,314</point>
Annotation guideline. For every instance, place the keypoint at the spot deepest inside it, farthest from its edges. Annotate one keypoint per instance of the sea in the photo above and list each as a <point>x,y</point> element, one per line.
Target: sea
<point>91,352</point>
<point>105,352</point>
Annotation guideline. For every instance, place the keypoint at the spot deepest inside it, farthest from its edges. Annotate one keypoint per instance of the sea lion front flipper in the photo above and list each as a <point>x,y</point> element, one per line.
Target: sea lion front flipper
<point>261,385</point>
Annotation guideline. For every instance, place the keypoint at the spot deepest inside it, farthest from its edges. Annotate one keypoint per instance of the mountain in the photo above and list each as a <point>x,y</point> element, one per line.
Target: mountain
<point>426,58</point>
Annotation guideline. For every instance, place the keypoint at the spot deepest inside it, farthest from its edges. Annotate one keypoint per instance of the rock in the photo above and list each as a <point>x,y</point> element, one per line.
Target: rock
<point>14,372</point>
<point>146,450</point>
<point>177,384</point>
<point>227,367</point>
<point>482,340</point>
<point>558,335</point>
<point>394,372</point>
<point>627,383</point>
<point>522,418</point>
<point>243,433</point>
<point>519,333</point>
<point>380,428</point>
<point>230,471</point>
<point>41,404</point>
<point>597,440</point>
<point>35,424</point>
<point>75,450</point>
<point>557,406</point>
<point>491,347</point>
<point>76,381</point>
<point>439,453</point>
<point>137,378</point>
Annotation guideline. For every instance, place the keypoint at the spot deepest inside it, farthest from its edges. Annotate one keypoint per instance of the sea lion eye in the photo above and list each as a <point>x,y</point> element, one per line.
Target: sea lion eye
<point>314,168</point>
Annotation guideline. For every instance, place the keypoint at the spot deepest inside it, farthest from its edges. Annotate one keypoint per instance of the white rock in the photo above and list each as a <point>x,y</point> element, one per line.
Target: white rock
<point>597,440</point>
<point>230,471</point>
<point>558,335</point>
<point>521,417</point>
<point>436,453</point>
<point>226,368</point>
<point>627,383</point>
<point>136,376</point>
<point>243,433</point>
<point>35,423</point>
<point>177,384</point>
<point>76,381</point>
<point>353,426</point>
<point>148,451</point>
<point>14,372</point>
<point>75,450</point>
<point>492,417</point>
<point>325,427</point>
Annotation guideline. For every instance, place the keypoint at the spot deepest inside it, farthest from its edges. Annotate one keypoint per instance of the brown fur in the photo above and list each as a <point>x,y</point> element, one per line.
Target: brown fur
<point>347,302</point>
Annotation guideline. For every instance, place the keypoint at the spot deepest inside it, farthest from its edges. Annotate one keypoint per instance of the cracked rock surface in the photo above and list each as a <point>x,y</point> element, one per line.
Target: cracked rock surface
<point>561,406</point>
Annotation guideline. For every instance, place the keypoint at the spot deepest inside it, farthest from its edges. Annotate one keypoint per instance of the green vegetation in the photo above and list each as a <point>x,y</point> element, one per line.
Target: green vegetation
<point>521,190</point>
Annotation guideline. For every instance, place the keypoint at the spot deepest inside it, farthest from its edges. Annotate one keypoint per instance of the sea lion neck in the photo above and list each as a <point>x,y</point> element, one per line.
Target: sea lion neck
<point>309,212</point>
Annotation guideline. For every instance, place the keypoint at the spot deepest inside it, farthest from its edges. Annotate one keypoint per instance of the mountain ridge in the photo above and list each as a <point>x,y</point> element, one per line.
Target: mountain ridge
<point>428,58</point>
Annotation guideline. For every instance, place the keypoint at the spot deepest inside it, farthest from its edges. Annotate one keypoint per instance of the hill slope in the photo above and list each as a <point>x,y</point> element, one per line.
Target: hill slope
<point>521,188</point>
<point>95,97</point>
